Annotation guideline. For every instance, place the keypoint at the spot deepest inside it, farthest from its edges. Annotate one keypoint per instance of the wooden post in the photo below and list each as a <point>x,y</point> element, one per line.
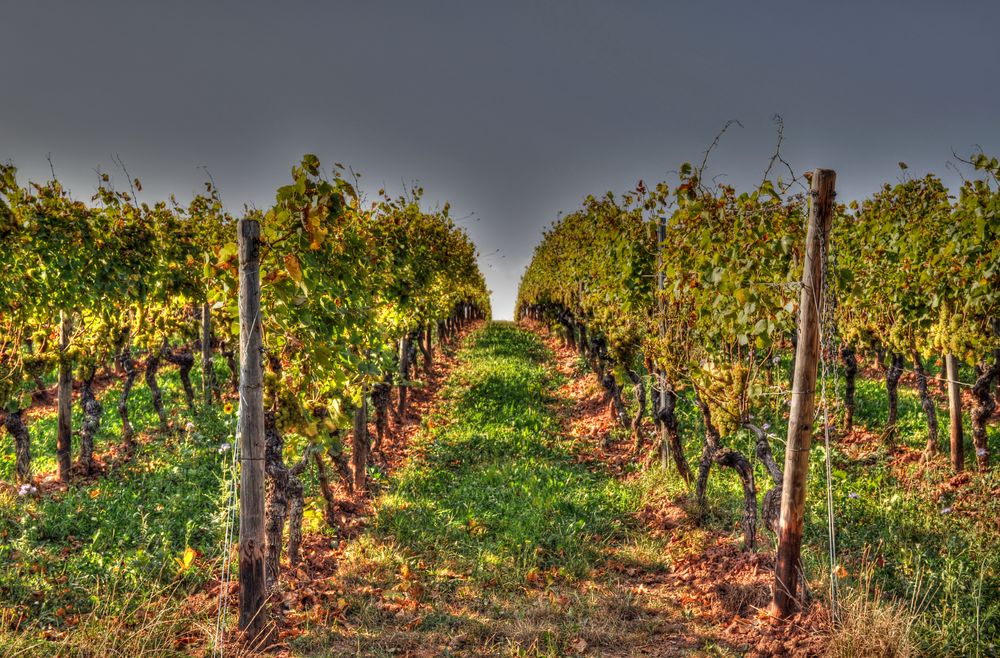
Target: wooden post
<point>253,615</point>
<point>661,376</point>
<point>207,373</point>
<point>955,412</point>
<point>800,419</point>
<point>64,424</point>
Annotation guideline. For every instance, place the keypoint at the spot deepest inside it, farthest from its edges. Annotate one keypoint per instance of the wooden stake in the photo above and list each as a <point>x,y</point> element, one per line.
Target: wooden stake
<point>955,412</point>
<point>800,419</point>
<point>64,423</point>
<point>661,376</point>
<point>253,614</point>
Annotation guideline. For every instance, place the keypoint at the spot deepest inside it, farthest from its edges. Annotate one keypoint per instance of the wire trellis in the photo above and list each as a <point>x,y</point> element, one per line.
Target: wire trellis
<point>230,521</point>
<point>828,344</point>
<point>227,543</point>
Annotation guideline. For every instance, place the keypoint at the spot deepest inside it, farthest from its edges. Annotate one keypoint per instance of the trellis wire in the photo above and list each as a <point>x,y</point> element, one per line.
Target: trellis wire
<point>230,523</point>
<point>827,344</point>
<point>227,544</point>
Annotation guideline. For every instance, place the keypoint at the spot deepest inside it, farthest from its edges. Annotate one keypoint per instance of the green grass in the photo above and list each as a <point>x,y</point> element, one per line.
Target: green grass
<point>945,553</point>
<point>98,546</point>
<point>496,493</point>
<point>947,549</point>
<point>493,539</point>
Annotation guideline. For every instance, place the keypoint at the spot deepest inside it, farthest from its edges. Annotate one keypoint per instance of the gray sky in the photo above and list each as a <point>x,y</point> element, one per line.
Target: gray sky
<point>512,110</point>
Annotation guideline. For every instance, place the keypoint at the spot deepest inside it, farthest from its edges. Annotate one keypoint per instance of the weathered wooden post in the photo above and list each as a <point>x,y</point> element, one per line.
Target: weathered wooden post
<point>800,419</point>
<point>955,412</point>
<point>253,615</point>
<point>64,422</point>
<point>661,376</point>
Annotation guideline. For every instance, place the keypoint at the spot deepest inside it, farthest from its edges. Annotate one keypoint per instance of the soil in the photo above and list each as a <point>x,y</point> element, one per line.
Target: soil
<point>722,590</point>
<point>309,594</point>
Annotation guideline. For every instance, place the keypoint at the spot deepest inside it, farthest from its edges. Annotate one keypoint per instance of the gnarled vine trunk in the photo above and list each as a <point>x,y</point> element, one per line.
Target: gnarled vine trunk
<point>711,443</point>
<point>14,423</point>
<point>982,409</point>
<point>422,345</point>
<point>92,409</point>
<point>184,361</point>
<point>893,371</point>
<point>569,339</point>
<point>713,451</point>
<point>128,367</point>
<point>613,398</point>
<point>927,403</point>
<point>207,371</point>
<point>404,374</point>
<point>276,504</point>
<point>670,428</point>
<point>323,479</point>
<point>655,402</point>
<point>296,509</point>
<point>771,506</point>
<point>339,459</point>
<point>152,366</point>
<point>612,389</point>
<point>381,399</point>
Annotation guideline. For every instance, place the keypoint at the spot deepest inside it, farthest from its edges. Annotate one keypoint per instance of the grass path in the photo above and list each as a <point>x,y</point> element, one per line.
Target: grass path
<point>495,493</point>
<point>495,540</point>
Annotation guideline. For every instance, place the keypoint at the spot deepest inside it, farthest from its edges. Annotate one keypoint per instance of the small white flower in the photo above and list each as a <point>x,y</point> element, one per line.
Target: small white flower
<point>189,427</point>
<point>27,489</point>
<point>854,495</point>
<point>224,448</point>
<point>981,452</point>
<point>766,426</point>
<point>946,510</point>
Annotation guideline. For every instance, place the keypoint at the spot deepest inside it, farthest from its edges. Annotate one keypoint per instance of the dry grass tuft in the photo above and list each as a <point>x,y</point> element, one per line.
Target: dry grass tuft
<point>148,624</point>
<point>871,624</point>
<point>743,599</point>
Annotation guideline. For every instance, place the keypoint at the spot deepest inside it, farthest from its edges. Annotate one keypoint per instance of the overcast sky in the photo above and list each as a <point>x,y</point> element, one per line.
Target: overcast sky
<point>514,111</point>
